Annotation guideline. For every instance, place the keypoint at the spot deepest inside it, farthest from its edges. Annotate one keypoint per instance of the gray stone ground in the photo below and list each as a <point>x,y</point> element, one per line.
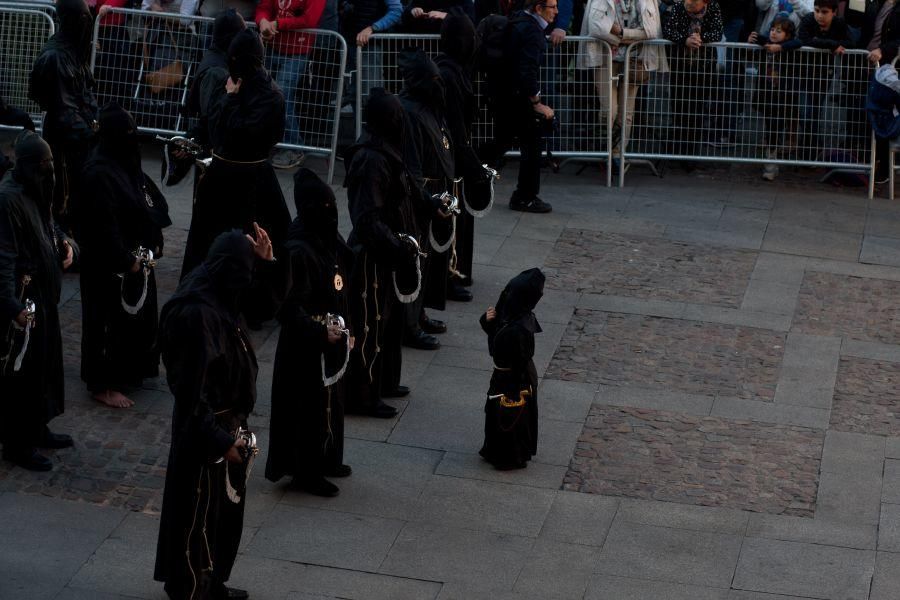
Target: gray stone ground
<point>718,421</point>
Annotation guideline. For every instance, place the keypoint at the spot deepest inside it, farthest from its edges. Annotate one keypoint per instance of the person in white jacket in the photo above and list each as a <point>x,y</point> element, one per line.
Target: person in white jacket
<point>620,23</point>
<point>769,9</point>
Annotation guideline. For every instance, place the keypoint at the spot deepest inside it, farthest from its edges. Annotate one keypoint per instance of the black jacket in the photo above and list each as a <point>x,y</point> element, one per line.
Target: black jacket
<point>523,50</point>
<point>810,34</point>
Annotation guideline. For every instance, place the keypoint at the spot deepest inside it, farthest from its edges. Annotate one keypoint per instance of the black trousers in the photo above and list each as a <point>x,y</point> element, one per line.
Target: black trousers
<point>515,119</point>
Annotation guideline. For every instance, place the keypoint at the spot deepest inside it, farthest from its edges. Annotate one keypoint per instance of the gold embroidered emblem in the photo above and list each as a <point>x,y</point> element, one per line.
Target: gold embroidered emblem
<point>338,282</point>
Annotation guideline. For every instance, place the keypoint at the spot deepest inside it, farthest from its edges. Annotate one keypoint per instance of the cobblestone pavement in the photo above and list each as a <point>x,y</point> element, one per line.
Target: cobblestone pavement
<point>866,398</point>
<point>710,461</point>
<point>860,308</point>
<point>607,263</point>
<point>688,356</point>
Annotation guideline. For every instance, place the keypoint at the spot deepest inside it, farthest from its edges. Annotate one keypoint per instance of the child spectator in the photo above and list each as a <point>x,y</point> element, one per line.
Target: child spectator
<point>776,86</point>
<point>511,411</point>
<point>824,30</point>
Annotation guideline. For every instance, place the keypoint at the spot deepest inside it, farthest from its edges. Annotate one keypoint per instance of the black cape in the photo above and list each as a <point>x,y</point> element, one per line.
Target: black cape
<point>116,215</point>
<point>510,425</point>
<point>211,370</point>
<point>236,191</point>
<point>380,193</point>
<point>29,242</point>
<point>307,429</point>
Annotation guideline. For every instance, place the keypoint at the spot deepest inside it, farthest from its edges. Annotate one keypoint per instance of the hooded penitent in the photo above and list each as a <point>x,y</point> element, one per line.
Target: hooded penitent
<point>34,168</point>
<point>76,26</point>
<point>421,78</point>
<point>227,25</point>
<point>226,272</point>
<point>317,215</point>
<point>118,137</point>
<point>245,55</point>
<point>518,299</point>
<point>458,39</point>
<point>384,120</point>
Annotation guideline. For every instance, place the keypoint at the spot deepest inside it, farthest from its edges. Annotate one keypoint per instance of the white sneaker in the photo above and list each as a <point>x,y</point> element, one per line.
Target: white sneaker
<point>287,159</point>
<point>770,172</point>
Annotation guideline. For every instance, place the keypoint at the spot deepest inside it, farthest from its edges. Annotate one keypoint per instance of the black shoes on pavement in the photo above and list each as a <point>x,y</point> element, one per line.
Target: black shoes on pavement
<point>400,391</point>
<point>430,325</point>
<point>531,205</point>
<point>56,440</point>
<point>28,458</point>
<point>421,340</point>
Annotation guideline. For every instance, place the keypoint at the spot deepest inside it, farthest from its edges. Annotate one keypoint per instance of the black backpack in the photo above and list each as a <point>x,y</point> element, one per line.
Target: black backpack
<point>490,34</point>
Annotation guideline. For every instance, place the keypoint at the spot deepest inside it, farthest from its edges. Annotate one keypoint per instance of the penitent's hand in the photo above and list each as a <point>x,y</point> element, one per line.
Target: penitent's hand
<point>262,245</point>
<point>490,314</point>
<point>70,255</point>
<point>234,455</point>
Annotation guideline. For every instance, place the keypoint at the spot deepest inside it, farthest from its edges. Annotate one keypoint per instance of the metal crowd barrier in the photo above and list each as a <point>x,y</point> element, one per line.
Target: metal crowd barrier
<point>572,93</point>
<point>23,32</point>
<point>738,103</point>
<point>146,62</point>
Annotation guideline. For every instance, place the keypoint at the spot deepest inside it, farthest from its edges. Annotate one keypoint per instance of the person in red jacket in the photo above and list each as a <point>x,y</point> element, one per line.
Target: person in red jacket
<point>281,24</point>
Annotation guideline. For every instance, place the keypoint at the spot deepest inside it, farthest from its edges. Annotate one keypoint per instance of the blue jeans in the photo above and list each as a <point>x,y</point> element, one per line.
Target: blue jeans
<point>287,70</point>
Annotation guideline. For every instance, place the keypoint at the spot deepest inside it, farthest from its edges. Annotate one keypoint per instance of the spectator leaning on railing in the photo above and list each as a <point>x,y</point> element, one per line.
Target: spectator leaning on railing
<point>620,23</point>
<point>691,25</point>
<point>280,23</point>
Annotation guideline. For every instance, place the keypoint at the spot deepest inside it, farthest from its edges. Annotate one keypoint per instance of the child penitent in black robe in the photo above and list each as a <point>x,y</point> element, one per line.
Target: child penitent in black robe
<point>308,388</point>
<point>511,409</point>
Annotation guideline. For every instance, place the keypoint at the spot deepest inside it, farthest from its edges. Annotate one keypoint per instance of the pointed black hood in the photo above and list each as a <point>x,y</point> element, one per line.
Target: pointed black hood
<point>34,169</point>
<point>227,25</point>
<point>421,79</point>
<point>458,40</point>
<point>520,297</point>
<point>317,215</point>
<point>245,56</point>
<point>76,27</point>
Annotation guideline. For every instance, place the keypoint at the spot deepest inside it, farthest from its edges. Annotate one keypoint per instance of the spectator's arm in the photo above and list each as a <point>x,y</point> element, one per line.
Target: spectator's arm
<point>528,68</point>
<point>189,8</point>
<point>634,35</point>
<point>564,16</point>
<point>308,19</point>
<point>712,24</point>
<point>146,4</point>
<point>390,18</point>
<point>597,29</point>
<point>793,44</point>
<point>266,9</point>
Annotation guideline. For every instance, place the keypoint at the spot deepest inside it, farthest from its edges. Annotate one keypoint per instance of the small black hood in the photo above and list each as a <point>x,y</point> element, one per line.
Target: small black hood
<point>520,297</point>
<point>245,55</point>
<point>317,215</point>
<point>421,78</point>
<point>458,40</point>
<point>76,26</point>
<point>34,168</point>
<point>227,25</point>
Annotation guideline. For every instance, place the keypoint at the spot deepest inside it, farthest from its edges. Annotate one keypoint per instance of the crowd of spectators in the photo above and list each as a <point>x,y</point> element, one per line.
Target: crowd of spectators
<point>788,94</point>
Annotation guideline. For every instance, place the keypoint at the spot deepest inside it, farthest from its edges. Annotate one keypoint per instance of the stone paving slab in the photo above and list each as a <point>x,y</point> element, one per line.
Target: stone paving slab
<point>821,531</point>
<point>556,570</point>
<point>675,555</point>
<point>807,570</point>
<point>887,576</point>
<point>580,518</point>
<point>605,587</point>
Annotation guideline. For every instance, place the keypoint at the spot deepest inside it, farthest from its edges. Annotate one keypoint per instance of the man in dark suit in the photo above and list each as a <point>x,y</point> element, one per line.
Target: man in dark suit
<point>515,101</point>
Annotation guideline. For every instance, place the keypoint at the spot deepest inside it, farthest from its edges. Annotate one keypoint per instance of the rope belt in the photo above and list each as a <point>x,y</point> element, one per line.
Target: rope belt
<point>239,162</point>
<point>29,324</point>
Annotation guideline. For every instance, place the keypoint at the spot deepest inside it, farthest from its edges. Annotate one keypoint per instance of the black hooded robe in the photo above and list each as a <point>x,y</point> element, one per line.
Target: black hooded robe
<point>380,193</point>
<point>455,65</point>
<point>114,218</point>
<point>306,438</point>
<point>211,370</point>
<point>240,186</point>
<point>29,251</point>
<point>62,84</point>
<point>511,425</point>
<point>428,153</point>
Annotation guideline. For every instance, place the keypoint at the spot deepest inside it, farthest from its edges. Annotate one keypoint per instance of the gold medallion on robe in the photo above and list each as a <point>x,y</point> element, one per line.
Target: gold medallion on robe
<point>338,282</point>
<point>446,142</point>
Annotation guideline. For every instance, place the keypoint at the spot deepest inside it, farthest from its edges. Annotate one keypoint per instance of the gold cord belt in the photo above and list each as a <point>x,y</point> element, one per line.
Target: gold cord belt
<point>239,162</point>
